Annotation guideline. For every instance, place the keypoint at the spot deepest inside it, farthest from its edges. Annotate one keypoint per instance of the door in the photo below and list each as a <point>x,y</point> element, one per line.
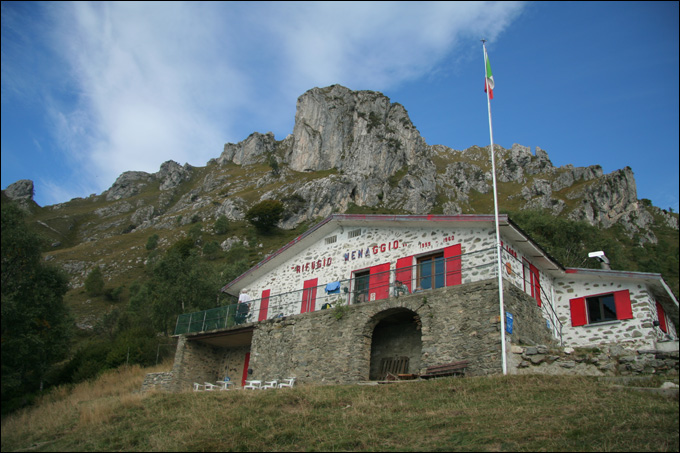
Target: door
<point>431,273</point>
<point>309,295</point>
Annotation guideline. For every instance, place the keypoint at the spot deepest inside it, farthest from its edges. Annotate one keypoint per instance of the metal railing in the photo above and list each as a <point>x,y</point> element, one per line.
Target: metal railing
<point>362,287</point>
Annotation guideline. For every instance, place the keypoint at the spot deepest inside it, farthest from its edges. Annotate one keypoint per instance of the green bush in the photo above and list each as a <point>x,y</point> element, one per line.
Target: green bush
<point>265,214</point>
<point>152,242</point>
<point>94,282</point>
<point>221,225</point>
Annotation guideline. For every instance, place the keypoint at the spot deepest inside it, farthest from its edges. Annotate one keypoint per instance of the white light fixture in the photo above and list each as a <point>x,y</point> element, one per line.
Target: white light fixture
<point>599,255</point>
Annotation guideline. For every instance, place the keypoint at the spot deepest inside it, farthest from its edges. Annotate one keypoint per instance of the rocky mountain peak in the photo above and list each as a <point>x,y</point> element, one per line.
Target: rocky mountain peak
<point>20,191</point>
<point>368,155</point>
<point>360,133</point>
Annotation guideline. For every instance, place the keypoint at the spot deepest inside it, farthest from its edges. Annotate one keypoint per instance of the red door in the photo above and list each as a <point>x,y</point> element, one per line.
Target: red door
<point>309,295</point>
<point>264,304</point>
<point>379,282</point>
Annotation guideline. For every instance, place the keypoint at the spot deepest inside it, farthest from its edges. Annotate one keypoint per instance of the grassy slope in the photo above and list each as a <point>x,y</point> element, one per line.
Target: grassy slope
<point>516,413</point>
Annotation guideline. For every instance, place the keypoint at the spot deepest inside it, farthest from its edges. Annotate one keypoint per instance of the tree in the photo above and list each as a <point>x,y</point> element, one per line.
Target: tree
<point>180,282</point>
<point>152,242</point>
<point>265,215</point>
<point>36,325</point>
<point>94,282</point>
<point>221,225</point>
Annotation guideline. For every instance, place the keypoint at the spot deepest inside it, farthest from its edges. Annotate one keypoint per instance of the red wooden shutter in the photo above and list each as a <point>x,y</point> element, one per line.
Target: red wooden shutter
<point>264,304</point>
<point>662,317</point>
<point>452,257</point>
<point>379,282</point>
<point>578,311</point>
<point>309,295</point>
<point>404,271</point>
<point>623,307</point>
<point>535,283</point>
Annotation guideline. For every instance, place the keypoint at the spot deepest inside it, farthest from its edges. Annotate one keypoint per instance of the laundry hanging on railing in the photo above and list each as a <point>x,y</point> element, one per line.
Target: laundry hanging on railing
<point>333,288</point>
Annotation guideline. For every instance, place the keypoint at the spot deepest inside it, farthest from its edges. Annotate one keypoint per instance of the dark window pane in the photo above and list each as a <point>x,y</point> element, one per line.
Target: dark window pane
<point>601,308</point>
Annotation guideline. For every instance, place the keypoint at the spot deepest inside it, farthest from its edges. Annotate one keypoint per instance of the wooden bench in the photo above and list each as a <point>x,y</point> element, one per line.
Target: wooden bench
<point>448,369</point>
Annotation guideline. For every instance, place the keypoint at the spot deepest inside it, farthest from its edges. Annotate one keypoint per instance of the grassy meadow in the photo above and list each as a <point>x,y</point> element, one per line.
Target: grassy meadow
<point>513,413</point>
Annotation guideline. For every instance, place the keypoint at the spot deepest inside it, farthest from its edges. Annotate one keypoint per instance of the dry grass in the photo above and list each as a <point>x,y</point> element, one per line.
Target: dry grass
<point>517,413</point>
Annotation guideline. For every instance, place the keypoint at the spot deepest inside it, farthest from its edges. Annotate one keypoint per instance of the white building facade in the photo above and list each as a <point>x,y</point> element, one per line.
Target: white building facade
<point>352,259</point>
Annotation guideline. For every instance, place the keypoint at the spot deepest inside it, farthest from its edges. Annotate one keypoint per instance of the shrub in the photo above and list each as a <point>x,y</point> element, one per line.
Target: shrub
<point>94,283</point>
<point>152,242</point>
<point>221,225</point>
<point>265,215</point>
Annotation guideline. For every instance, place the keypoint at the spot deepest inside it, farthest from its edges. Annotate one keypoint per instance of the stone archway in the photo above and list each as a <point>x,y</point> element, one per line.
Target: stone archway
<point>396,344</point>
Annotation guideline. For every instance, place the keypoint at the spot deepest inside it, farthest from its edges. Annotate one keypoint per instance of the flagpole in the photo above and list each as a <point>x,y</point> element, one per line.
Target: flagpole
<point>495,206</point>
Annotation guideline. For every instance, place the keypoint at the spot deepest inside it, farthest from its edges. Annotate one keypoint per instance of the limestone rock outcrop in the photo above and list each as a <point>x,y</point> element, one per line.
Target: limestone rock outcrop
<point>354,150</point>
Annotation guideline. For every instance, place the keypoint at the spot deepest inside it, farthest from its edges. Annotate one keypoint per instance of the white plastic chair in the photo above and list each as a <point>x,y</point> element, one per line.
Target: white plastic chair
<point>210,387</point>
<point>224,385</point>
<point>287,383</point>
<point>270,384</point>
<point>197,387</point>
<point>253,385</point>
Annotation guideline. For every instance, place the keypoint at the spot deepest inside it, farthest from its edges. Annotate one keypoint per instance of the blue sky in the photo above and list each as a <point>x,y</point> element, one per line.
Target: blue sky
<point>90,90</point>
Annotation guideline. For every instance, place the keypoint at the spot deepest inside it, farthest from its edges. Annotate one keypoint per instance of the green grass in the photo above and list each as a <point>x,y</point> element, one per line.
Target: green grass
<point>513,413</point>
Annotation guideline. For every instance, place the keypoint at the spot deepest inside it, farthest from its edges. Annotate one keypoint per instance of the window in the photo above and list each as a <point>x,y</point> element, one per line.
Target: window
<point>600,308</point>
<point>354,233</point>
<point>361,282</point>
<point>431,271</point>
<point>331,239</point>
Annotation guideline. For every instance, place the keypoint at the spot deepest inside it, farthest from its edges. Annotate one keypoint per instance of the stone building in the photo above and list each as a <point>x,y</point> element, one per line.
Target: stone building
<point>360,296</point>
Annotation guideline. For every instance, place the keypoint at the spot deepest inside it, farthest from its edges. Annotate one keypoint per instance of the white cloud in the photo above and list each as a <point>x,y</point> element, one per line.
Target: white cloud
<point>381,44</point>
<point>176,80</point>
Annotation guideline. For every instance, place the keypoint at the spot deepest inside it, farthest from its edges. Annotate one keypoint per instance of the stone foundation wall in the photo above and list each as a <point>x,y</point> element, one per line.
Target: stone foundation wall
<point>444,325</point>
<point>613,360</point>
<point>161,381</point>
<point>194,362</point>
<point>329,346</point>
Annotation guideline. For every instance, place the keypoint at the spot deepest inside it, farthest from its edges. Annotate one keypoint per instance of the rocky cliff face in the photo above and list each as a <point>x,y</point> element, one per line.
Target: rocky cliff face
<point>357,149</point>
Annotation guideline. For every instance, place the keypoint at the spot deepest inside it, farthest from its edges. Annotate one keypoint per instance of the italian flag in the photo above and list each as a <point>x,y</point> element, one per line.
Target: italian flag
<point>488,82</point>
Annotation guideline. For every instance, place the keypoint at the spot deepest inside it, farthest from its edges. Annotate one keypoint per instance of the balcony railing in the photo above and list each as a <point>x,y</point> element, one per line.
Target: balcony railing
<point>362,287</point>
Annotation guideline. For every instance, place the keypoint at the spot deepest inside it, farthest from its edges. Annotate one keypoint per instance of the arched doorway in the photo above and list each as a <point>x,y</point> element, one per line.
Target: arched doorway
<point>396,344</point>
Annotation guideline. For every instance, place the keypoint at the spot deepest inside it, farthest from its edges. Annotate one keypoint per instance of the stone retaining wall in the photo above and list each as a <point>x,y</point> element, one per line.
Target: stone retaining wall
<point>612,360</point>
<point>334,346</point>
<point>161,381</point>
